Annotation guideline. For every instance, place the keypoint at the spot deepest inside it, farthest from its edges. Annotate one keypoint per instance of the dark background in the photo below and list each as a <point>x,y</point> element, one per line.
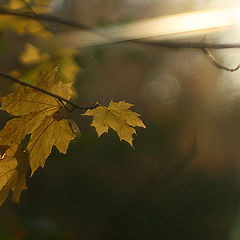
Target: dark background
<point>182,179</point>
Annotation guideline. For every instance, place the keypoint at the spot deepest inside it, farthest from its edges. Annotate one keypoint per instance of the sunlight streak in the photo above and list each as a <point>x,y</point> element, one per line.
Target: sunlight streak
<point>161,28</point>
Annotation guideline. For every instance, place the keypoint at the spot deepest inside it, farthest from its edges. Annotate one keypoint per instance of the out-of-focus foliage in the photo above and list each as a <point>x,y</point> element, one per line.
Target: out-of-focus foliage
<point>22,25</point>
<point>32,55</point>
<point>33,59</point>
<point>36,61</point>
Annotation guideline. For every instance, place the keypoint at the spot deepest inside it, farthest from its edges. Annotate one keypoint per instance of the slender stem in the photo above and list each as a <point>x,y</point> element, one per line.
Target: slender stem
<point>217,64</point>
<point>46,17</point>
<point>28,5</point>
<point>74,105</point>
<point>186,44</point>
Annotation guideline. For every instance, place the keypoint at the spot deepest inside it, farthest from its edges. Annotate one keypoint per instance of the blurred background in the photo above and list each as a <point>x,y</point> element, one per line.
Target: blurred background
<point>181,181</point>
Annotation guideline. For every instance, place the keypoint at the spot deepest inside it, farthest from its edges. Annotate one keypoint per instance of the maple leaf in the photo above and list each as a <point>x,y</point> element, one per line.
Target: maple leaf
<point>7,165</point>
<point>39,115</point>
<point>50,132</point>
<point>118,117</point>
<point>14,165</point>
<point>26,100</point>
<point>16,129</point>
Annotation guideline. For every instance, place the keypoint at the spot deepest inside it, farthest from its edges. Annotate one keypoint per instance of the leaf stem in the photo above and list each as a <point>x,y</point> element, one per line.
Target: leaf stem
<point>74,105</point>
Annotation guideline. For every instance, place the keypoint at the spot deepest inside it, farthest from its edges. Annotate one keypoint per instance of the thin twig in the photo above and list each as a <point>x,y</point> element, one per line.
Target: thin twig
<point>75,106</point>
<point>217,64</point>
<point>46,17</point>
<point>187,44</point>
<point>36,15</point>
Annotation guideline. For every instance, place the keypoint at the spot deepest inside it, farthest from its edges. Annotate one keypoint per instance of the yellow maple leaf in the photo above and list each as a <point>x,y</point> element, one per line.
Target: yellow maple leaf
<point>7,166</point>
<point>51,132</point>
<point>26,100</point>
<point>39,115</point>
<point>118,117</point>
<point>14,165</point>
<point>16,129</point>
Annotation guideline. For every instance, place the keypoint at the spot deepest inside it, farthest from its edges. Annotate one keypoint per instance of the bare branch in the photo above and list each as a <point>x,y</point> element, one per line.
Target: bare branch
<point>74,24</point>
<point>74,105</point>
<point>168,44</point>
<point>218,65</point>
<point>187,44</point>
<point>36,15</point>
<point>46,17</point>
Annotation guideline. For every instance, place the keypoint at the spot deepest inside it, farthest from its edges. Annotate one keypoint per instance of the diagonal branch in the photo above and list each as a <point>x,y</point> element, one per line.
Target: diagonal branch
<point>47,17</point>
<point>74,105</point>
<point>36,15</point>
<point>74,24</point>
<point>168,44</point>
<point>187,44</point>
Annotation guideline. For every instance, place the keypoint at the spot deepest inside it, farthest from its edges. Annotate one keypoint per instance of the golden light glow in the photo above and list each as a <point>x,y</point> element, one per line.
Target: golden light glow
<point>166,27</point>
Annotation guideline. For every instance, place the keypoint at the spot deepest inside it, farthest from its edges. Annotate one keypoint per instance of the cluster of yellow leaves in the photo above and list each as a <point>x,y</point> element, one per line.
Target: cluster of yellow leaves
<point>38,61</point>
<point>34,59</point>
<point>40,117</point>
<point>26,141</point>
<point>40,124</point>
<point>118,117</point>
<point>23,25</point>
